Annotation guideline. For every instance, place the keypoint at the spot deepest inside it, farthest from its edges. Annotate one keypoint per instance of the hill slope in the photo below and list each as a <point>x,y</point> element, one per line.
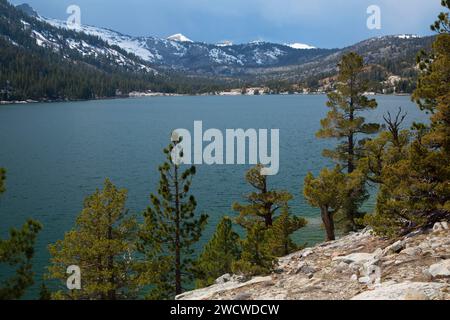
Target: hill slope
<point>43,59</point>
<point>359,266</point>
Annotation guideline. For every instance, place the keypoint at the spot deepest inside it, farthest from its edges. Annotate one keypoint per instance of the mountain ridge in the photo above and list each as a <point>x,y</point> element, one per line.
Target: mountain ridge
<point>257,60</point>
<point>177,65</point>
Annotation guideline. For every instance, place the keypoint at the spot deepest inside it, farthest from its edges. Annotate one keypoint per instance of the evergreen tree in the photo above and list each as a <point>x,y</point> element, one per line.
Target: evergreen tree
<point>218,255</point>
<point>171,227</point>
<point>388,148</point>
<point>102,245</point>
<point>17,252</point>
<point>259,248</point>
<point>279,236</point>
<point>343,121</point>
<point>44,293</point>
<point>256,257</point>
<point>330,192</point>
<point>263,203</point>
<point>415,192</point>
<point>442,24</point>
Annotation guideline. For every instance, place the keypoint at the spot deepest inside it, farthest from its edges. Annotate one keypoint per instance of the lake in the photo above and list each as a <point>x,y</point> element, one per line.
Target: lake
<point>58,153</point>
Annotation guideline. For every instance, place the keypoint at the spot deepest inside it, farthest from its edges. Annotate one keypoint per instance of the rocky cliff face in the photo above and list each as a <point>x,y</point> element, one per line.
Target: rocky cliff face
<point>360,266</point>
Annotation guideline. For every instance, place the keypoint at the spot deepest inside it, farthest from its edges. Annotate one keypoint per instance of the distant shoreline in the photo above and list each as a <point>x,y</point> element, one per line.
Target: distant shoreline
<point>161,94</point>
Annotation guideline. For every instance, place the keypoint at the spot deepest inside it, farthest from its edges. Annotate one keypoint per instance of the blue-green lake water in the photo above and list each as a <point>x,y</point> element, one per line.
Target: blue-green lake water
<point>58,153</point>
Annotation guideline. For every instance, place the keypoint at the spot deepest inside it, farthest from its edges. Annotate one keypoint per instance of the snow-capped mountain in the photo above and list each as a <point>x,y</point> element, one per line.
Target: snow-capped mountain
<point>179,53</point>
<point>75,44</point>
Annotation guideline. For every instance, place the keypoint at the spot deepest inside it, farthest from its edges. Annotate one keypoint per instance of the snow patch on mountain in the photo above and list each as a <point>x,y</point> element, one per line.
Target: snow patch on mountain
<point>225,43</point>
<point>221,57</point>
<point>300,46</point>
<point>264,56</point>
<point>132,45</point>
<point>179,37</point>
<point>408,36</point>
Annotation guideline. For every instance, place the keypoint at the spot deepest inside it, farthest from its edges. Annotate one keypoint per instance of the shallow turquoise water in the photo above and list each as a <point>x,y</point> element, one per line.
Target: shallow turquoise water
<point>56,154</point>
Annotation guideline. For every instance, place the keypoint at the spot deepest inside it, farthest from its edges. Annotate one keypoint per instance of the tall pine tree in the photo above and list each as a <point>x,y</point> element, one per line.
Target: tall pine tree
<point>171,227</point>
<point>344,122</point>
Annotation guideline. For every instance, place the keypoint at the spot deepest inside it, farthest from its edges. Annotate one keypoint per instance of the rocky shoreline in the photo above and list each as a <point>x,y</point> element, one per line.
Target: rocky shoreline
<point>360,266</point>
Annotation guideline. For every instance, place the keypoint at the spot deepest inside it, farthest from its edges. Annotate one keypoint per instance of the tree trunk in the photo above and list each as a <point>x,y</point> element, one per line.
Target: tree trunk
<point>112,292</point>
<point>178,289</point>
<point>268,220</point>
<point>351,142</point>
<point>351,154</point>
<point>350,212</point>
<point>328,222</point>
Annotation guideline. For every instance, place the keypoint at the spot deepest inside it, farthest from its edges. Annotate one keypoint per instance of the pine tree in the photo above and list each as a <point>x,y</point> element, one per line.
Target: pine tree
<point>257,218</point>
<point>171,227</point>
<point>256,257</point>
<point>343,121</point>
<point>330,192</point>
<point>102,245</point>
<point>279,236</point>
<point>218,255</point>
<point>442,24</point>
<point>386,149</point>
<point>263,203</point>
<point>416,190</point>
<point>44,293</point>
<point>17,252</point>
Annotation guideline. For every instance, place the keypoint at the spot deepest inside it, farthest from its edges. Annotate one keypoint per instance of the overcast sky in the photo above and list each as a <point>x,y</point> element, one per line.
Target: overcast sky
<point>321,23</point>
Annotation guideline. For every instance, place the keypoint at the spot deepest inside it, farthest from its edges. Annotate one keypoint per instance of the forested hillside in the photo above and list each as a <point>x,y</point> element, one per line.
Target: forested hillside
<point>42,62</point>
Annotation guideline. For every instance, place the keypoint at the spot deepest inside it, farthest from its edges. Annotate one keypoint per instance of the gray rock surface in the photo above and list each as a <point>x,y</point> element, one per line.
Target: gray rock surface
<point>403,291</point>
<point>357,266</point>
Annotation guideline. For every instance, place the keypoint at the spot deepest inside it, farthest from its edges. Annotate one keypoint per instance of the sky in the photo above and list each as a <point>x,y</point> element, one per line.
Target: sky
<point>321,23</point>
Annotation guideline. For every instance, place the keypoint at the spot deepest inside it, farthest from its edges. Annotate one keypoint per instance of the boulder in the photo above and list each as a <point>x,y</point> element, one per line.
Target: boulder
<point>412,251</point>
<point>306,253</point>
<point>402,291</point>
<point>357,258</point>
<point>394,248</point>
<point>441,269</point>
<point>440,226</point>
<point>415,295</point>
<point>225,278</point>
<point>307,269</point>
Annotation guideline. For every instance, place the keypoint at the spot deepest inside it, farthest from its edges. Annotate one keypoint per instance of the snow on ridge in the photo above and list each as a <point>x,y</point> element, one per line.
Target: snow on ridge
<point>221,57</point>
<point>257,42</point>
<point>179,37</point>
<point>127,43</point>
<point>225,43</point>
<point>408,36</point>
<point>300,46</point>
